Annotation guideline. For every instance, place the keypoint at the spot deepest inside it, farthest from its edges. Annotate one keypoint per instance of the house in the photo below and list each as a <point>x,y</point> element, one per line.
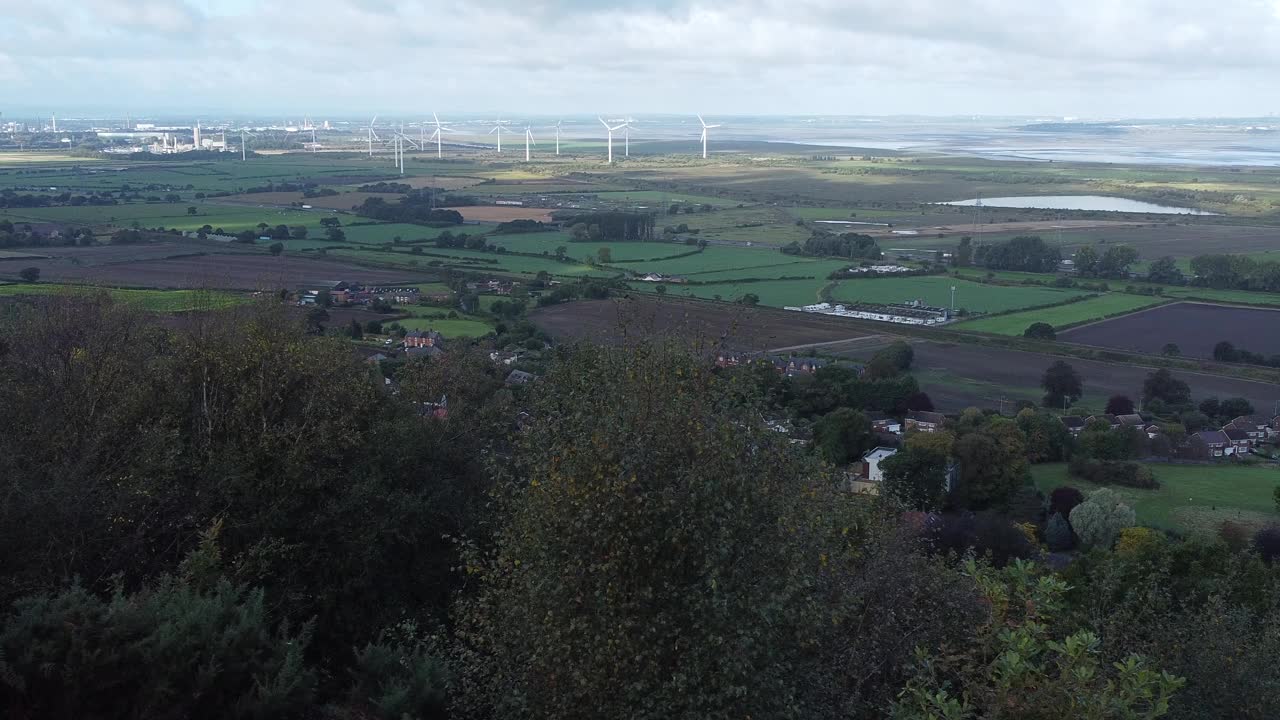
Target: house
<point>437,410</point>
<point>1258,427</point>
<point>1110,420</point>
<point>423,351</point>
<point>1074,424</point>
<point>520,377</point>
<point>1131,420</point>
<point>1240,440</point>
<point>1153,431</point>
<point>871,469</point>
<point>922,421</point>
<point>423,338</point>
<point>791,367</point>
<point>883,423</point>
<point>504,357</point>
<point>1216,443</point>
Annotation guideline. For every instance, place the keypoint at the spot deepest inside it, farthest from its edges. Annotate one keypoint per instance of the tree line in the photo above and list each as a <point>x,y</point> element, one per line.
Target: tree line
<point>854,246</point>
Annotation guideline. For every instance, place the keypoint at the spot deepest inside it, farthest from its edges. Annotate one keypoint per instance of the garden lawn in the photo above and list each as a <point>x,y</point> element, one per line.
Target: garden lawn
<point>935,291</point>
<point>1191,497</point>
<point>1095,308</point>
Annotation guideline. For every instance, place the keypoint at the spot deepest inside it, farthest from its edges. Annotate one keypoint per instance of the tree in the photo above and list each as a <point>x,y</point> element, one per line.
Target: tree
<point>561,251</point>
<point>1236,407</point>
<point>892,360</point>
<point>604,255</point>
<point>1115,262</point>
<point>1099,519</point>
<point>1266,542</point>
<point>1171,350</point>
<point>964,252</point>
<point>336,234</point>
<point>355,330</point>
<point>690,556</point>
<point>262,227</point>
<point>276,248</point>
<point>1086,259</point>
<point>1040,331</point>
<point>1225,351</point>
<point>1163,386</point>
<point>1064,499</point>
<point>1165,270</point>
<point>1119,405</point>
<point>1062,385</point>
<point>993,464</point>
<point>373,327</point>
<point>915,477</point>
<point>29,274</point>
<point>298,232</point>
<point>1058,534</point>
<point>324,299</point>
<point>193,211</point>
<point>330,222</point>
<point>843,435</point>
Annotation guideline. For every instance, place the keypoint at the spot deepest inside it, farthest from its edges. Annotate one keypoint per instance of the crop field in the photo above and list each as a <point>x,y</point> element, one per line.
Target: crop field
<point>232,218</point>
<point>1194,327</point>
<point>164,301</point>
<point>1192,498</point>
<point>473,260</point>
<point>960,375</point>
<point>936,292</point>
<point>659,200</point>
<point>1094,308</point>
<point>773,293</point>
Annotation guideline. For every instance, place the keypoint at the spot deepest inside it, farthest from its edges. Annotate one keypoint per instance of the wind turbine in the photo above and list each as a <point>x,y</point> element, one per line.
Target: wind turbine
<point>528,139</point>
<point>558,123</point>
<point>438,135</point>
<point>372,135</point>
<point>611,129</point>
<point>705,128</point>
<point>626,135</point>
<point>243,134</point>
<point>499,129</point>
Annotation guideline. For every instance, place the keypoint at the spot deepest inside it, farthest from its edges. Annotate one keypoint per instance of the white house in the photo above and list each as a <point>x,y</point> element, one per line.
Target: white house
<point>871,469</point>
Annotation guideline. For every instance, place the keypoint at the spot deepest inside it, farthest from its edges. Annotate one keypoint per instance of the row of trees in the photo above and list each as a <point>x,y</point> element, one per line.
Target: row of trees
<point>1239,272</point>
<point>854,246</point>
<point>415,207</point>
<point>615,226</point>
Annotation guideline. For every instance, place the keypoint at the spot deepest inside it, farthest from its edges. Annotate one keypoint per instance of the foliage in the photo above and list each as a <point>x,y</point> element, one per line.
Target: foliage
<point>1165,270</point>
<point>1266,542</point>
<point>1064,499</point>
<point>1119,405</point>
<point>401,675</point>
<point>915,477</point>
<point>891,361</point>
<point>615,226</point>
<point>29,274</point>
<point>419,207</point>
<point>854,246</point>
<point>1017,669</point>
<point>1137,541</point>
<point>1058,534</point>
<point>1040,331</point>
<point>1098,520</point>
<point>1047,439</point>
<point>1027,253</point>
<point>1114,472</point>
<point>1062,385</point>
<point>985,534</point>
<point>993,464</point>
<point>843,435</point>
<point>1163,386</point>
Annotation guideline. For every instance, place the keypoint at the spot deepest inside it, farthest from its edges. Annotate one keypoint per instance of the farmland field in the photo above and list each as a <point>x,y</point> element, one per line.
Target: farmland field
<point>1191,497</point>
<point>151,300</point>
<point>1094,308</point>
<point>1194,327</point>
<point>960,375</point>
<point>936,292</point>
<point>773,293</point>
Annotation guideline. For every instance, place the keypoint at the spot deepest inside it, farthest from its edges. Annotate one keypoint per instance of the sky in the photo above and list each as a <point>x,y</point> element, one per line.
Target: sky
<point>1077,58</point>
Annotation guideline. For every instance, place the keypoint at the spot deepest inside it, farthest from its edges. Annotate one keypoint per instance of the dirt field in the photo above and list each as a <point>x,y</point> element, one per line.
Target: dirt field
<point>502,213</point>
<point>1041,227</point>
<point>957,376</point>
<point>344,201</point>
<point>1194,327</point>
<point>740,328</point>
<point>229,272</point>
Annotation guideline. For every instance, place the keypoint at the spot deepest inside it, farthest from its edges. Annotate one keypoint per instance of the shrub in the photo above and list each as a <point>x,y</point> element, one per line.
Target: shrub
<point>985,534</point>
<point>1136,540</point>
<point>1114,472</point>
<point>1235,535</point>
<point>1040,331</point>
<point>1099,520</point>
<point>1058,534</point>
<point>1267,543</point>
<point>401,675</point>
<point>1064,499</point>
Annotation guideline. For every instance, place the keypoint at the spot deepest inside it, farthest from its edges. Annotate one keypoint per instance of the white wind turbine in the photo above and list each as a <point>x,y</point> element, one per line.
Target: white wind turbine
<point>438,135</point>
<point>528,139</point>
<point>705,128</point>
<point>626,135</point>
<point>611,130</point>
<point>558,124</point>
<point>401,139</point>
<point>243,135</point>
<point>499,128</point>
<point>372,135</point>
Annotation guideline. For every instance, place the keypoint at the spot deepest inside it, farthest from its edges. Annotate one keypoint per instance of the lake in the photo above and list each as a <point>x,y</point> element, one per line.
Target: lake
<point>1080,202</point>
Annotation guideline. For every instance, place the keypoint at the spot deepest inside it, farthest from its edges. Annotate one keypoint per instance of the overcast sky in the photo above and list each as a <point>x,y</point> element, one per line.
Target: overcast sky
<point>1087,58</point>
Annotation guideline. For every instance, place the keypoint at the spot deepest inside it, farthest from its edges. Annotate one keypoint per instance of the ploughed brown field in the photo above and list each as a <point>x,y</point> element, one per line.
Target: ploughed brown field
<point>960,375</point>
<point>222,272</point>
<point>343,201</point>
<point>1194,327</point>
<point>502,213</point>
<point>737,328</point>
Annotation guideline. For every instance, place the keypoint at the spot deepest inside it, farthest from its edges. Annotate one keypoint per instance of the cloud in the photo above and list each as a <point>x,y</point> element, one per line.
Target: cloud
<point>1098,57</point>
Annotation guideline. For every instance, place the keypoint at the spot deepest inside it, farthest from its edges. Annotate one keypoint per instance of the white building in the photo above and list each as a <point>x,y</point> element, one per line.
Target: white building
<point>871,463</point>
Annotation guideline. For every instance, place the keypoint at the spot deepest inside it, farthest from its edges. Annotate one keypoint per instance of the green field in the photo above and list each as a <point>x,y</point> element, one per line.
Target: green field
<point>774,293</point>
<point>936,292</point>
<point>165,301</point>
<point>1094,308</point>
<point>1191,497</point>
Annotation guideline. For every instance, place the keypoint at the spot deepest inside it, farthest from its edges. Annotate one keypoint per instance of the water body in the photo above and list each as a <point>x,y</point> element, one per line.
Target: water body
<point>1080,202</point>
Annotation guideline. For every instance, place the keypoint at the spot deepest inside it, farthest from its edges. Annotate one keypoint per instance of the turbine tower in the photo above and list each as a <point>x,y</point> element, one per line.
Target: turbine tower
<point>372,135</point>
<point>626,135</point>
<point>705,128</point>
<point>499,129</point>
<point>528,139</point>
<point>243,134</point>
<point>611,129</point>
<point>558,124</point>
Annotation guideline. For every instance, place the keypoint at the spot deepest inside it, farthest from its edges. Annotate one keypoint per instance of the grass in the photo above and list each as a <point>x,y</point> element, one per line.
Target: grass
<point>429,318</point>
<point>936,291</point>
<point>774,293</point>
<point>1094,308</point>
<point>1191,497</point>
<point>162,301</point>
